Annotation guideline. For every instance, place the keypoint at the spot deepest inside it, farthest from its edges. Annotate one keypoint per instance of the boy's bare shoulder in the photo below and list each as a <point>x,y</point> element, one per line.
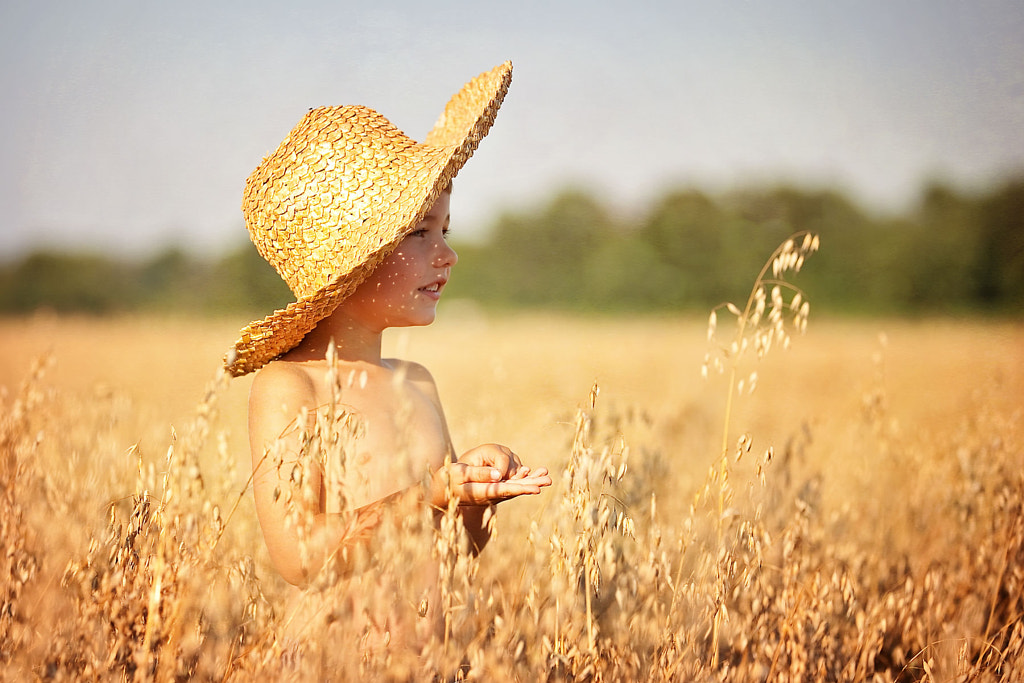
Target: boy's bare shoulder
<point>286,385</point>
<point>412,370</point>
<point>282,374</point>
<point>415,373</point>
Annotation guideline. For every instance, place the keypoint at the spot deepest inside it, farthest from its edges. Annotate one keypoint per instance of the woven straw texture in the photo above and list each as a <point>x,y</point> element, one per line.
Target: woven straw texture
<point>339,194</point>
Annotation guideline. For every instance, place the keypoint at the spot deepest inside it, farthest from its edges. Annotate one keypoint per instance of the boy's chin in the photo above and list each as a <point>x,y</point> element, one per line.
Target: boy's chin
<point>418,319</point>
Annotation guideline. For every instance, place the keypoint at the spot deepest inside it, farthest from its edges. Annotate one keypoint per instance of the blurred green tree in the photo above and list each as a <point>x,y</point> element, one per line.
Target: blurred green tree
<point>243,281</point>
<point>67,283</point>
<point>999,266</point>
<point>171,280</point>
<point>538,258</point>
<point>687,233</point>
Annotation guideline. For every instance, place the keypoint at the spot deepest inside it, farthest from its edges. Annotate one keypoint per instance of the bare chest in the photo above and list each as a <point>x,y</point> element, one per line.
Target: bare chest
<point>383,435</point>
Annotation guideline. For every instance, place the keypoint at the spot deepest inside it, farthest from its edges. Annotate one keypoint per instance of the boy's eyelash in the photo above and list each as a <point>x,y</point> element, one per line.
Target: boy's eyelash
<point>423,231</point>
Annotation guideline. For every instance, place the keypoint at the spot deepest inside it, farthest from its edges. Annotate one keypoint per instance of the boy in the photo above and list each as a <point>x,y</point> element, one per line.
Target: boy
<point>354,216</point>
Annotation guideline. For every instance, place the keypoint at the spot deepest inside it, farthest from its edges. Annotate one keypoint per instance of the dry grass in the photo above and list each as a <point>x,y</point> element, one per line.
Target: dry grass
<point>881,540</point>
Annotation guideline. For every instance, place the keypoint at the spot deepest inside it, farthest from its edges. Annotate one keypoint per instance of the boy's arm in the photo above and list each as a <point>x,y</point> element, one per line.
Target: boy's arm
<point>287,487</point>
<point>518,478</point>
<point>477,529</point>
<point>511,473</point>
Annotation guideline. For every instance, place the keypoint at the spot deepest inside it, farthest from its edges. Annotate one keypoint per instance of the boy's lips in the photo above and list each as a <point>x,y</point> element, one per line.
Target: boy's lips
<point>434,289</point>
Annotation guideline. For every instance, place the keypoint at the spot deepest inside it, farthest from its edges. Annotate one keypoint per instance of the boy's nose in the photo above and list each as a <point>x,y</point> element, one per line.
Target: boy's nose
<point>446,256</point>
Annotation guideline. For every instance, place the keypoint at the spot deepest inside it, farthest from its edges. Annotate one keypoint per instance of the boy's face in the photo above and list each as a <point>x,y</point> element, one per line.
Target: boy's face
<point>405,288</point>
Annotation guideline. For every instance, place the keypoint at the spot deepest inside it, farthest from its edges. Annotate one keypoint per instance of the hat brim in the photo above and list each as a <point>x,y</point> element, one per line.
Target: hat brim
<point>263,340</point>
<point>268,338</point>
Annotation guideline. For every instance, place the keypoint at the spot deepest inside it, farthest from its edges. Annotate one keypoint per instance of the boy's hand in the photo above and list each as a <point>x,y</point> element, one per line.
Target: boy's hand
<point>486,475</point>
<point>502,459</point>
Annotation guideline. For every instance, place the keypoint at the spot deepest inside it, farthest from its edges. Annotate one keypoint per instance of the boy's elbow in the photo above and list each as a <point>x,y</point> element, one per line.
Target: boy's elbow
<point>292,571</point>
<point>303,574</point>
<point>287,559</point>
<point>299,579</point>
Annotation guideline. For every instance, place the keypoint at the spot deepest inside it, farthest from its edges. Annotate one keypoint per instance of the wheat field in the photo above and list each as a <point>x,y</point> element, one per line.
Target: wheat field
<point>864,521</point>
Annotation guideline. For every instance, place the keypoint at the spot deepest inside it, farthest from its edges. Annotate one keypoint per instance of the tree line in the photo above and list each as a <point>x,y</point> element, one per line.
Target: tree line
<point>171,281</point>
<point>954,252</point>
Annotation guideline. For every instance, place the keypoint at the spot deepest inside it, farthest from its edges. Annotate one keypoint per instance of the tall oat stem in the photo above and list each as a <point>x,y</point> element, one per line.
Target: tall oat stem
<point>761,324</point>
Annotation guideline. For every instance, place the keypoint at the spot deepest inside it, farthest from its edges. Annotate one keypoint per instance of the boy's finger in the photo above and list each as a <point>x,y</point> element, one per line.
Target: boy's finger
<point>494,492</point>
<point>535,481</point>
<point>506,490</point>
<point>519,472</point>
<point>519,488</point>
<point>481,474</point>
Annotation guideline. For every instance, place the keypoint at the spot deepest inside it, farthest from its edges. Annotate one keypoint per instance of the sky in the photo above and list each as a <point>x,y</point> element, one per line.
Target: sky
<point>127,126</point>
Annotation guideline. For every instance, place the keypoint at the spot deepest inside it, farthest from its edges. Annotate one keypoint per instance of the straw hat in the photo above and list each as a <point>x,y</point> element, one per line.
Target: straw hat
<point>338,196</point>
